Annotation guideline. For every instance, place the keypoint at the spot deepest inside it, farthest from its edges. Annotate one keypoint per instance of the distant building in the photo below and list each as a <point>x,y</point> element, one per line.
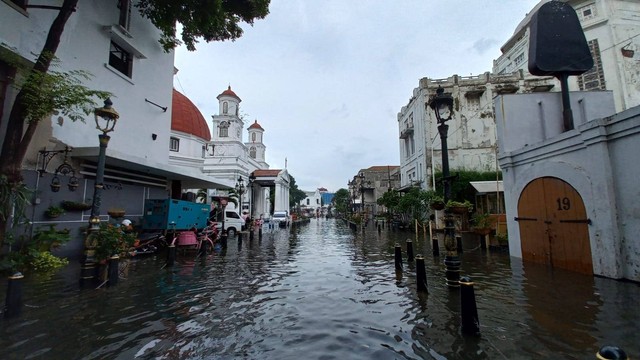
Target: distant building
<point>376,181</point>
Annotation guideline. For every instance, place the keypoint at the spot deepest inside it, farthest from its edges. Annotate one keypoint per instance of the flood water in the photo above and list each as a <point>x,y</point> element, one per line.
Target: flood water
<point>321,291</point>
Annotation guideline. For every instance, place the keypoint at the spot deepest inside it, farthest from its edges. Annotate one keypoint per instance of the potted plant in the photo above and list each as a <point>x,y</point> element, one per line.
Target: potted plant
<point>111,240</point>
<point>53,212</point>
<point>116,212</point>
<point>502,239</point>
<point>75,206</point>
<point>459,208</point>
<point>482,223</point>
<point>437,202</point>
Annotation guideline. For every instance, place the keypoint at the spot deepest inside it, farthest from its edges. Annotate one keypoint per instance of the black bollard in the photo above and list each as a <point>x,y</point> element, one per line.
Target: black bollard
<point>223,240</point>
<point>13,304</point>
<point>113,272</point>
<point>459,244</point>
<point>379,229</point>
<point>409,250</point>
<point>436,247</point>
<point>204,247</point>
<point>87,273</point>
<point>470,325</point>
<point>608,352</point>
<point>421,274</point>
<point>251,235</point>
<point>260,233</point>
<point>398,256</point>
<point>171,255</point>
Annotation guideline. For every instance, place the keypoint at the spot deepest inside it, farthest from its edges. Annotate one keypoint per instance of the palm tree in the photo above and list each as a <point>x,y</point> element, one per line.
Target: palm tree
<point>202,194</point>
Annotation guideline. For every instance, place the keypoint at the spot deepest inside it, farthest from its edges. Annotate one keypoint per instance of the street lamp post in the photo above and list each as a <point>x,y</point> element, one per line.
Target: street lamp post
<point>252,178</point>
<point>362,209</point>
<point>106,118</point>
<point>240,189</point>
<point>442,106</point>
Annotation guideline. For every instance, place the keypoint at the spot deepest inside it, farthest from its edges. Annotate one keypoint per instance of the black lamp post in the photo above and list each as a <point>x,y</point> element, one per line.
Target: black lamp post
<point>442,106</point>
<point>252,178</point>
<point>106,118</point>
<point>240,190</point>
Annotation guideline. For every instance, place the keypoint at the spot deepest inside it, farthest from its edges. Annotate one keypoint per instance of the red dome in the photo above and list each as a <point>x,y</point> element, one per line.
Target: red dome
<point>229,92</point>
<point>186,117</point>
<point>255,125</point>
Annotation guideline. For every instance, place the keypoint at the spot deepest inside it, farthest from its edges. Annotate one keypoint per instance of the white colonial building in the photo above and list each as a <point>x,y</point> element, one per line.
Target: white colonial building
<point>611,29</point>
<point>161,144</point>
<point>471,135</point>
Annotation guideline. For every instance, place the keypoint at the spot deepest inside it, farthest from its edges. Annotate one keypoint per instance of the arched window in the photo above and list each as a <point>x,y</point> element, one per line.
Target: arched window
<point>253,137</point>
<point>252,152</point>
<point>225,107</point>
<point>223,129</point>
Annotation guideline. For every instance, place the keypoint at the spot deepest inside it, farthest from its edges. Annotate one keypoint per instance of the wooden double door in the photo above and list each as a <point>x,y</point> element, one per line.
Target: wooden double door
<point>554,228</point>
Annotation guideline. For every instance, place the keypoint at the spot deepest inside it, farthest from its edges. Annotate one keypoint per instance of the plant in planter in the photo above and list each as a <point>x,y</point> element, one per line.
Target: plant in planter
<point>482,223</point>
<point>116,212</point>
<point>502,239</point>
<point>75,206</point>
<point>53,212</point>
<point>110,240</point>
<point>459,208</point>
<point>437,203</point>
<point>34,255</point>
<point>47,240</point>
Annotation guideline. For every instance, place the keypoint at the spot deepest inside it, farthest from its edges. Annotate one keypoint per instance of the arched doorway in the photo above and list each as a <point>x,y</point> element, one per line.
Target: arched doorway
<point>554,229</point>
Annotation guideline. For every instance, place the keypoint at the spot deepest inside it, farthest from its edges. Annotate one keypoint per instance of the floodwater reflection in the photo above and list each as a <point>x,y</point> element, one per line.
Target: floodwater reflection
<point>321,291</point>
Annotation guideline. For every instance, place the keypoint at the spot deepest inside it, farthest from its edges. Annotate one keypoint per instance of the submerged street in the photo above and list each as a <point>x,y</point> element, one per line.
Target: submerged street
<point>321,291</point>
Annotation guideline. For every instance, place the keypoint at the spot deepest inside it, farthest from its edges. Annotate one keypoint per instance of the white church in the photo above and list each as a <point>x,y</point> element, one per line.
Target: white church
<point>222,154</point>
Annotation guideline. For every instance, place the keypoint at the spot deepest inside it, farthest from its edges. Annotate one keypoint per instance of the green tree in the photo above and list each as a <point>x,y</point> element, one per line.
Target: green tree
<point>214,20</point>
<point>461,190</point>
<point>202,195</point>
<point>295,195</point>
<point>390,200</point>
<point>415,204</point>
<point>340,201</point>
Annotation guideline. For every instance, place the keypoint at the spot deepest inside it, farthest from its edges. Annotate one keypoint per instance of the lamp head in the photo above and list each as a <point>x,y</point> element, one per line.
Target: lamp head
<point>106,117</point>
<point>442,105</point>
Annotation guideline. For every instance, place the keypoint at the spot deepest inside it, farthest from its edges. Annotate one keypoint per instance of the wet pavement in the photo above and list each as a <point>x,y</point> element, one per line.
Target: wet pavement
<point>321,291</point>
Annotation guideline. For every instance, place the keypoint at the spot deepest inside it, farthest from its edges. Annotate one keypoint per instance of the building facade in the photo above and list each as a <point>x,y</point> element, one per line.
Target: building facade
<point>370,184</point>
<point>611,29</point>
<point>161,144</point>
<point>471,134</point>
<point>571,196</point>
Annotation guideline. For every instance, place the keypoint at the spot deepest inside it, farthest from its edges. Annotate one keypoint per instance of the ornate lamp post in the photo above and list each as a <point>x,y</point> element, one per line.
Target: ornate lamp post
<point>252,178</point>
<point>240,189</point>
<point>442,106</point>
<point>106,118</point>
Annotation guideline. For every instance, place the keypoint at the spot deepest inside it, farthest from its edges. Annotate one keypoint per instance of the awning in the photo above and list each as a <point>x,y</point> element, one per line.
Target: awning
<point>191,178</point>
<point>485,187</point>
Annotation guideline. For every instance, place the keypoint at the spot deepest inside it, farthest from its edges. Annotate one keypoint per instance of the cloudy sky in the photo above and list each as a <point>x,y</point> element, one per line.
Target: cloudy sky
<point>327,78</point>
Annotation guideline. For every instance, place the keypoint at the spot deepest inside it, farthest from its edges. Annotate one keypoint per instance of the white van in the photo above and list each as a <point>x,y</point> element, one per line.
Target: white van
<point>233,222</point>
<point>281,218</point>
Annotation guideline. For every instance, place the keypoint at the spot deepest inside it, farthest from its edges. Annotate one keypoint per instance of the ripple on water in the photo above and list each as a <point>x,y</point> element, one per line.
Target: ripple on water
<point>321,292</point>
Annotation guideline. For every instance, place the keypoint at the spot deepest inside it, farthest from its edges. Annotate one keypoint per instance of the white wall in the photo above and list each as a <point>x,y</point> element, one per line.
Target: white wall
<point>85,46</point>
<point>595,159</point>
